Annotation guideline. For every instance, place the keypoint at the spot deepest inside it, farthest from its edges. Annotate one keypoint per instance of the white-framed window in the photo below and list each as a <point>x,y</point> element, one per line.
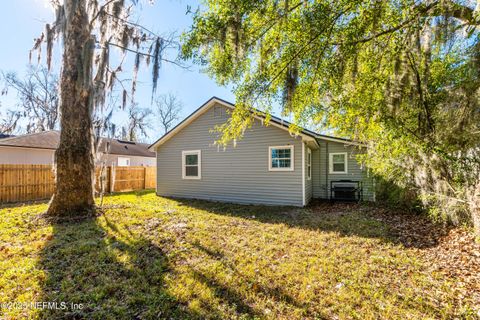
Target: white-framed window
<point>192,164</point>
<point>123,162</point>
<point>309,164</point>
<point>338,162</point>
<point>280,158</point>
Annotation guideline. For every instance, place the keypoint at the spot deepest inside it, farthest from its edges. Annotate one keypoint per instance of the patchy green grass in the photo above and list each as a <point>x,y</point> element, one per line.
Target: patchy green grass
<point>149,257</point>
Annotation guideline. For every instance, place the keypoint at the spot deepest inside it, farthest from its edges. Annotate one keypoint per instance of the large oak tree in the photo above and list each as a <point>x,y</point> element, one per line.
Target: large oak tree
<point>90,30</point>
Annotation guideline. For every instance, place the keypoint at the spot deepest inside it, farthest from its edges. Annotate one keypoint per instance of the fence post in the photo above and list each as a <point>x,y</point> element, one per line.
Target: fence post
<point>144,178</point>
<point>112,178</point>
<point>108,179</point>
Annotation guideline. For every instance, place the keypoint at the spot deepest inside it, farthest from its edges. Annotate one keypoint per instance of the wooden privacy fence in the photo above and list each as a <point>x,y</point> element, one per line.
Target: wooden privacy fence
<point>26,182</point>
<point>37,182</point>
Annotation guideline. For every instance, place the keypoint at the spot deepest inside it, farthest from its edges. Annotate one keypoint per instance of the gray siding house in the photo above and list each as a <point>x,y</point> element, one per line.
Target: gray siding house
<point>267,166</point>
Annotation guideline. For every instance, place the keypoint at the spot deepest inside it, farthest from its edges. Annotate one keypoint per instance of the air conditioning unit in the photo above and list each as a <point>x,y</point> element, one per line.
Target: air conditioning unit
<point>346,190</point>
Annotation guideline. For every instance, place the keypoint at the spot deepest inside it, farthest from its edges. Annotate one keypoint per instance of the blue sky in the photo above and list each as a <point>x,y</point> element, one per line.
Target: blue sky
<point>23,20</point>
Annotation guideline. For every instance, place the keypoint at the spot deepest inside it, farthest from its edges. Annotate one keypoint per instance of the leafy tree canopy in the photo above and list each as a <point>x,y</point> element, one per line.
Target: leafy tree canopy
<point>400,75</point>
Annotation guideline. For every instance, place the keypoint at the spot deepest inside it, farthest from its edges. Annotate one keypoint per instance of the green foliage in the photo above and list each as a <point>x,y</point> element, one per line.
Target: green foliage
<point>393,196</point>
<point>402,76</point>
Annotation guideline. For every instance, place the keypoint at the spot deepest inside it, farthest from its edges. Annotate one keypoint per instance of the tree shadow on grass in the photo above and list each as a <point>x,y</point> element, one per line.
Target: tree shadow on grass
<point>348,219</point>
<point>225,293</point>
<point>271,291</point>
<point>104,276</point>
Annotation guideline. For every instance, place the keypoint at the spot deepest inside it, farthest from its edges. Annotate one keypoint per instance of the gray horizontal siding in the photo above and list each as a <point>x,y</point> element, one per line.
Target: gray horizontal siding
<point>322,177</point>
<point>236,174</point>
<point>317,171</point>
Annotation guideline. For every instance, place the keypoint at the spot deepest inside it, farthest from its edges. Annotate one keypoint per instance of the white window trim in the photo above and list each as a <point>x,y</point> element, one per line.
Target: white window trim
<point>309,164</point>
<point>128,162</point>
<point>191,152</point>
<point>330,162</point>
<point>292,157</point>
<point>304,199</point>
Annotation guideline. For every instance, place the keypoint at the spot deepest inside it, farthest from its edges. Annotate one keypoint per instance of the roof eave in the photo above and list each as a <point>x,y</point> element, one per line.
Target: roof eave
<point>340,140</point>
<point>26,147</point>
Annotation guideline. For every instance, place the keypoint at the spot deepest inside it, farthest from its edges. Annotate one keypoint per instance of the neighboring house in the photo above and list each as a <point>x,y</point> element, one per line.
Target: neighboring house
<point>39,148</point>
<point>267,166</point>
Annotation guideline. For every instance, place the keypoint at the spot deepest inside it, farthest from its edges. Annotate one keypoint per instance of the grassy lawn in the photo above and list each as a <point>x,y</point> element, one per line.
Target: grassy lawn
<point>149,257</point>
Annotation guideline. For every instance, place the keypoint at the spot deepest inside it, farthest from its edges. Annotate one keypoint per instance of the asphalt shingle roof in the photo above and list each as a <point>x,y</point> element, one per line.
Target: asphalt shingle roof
<point>50,140</point>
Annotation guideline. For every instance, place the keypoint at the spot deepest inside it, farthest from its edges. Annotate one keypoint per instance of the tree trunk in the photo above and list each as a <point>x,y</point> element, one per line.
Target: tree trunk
<point>74,162</point>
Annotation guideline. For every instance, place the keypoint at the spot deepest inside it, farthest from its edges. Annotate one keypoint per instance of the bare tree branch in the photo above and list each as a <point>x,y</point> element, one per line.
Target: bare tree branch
<point>139,123</point>
<point>9,123</point>
<point>38,95</point>
<point>168,110</point>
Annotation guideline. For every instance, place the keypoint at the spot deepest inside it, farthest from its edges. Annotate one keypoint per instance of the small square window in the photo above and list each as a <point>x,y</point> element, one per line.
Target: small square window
<point>191,164</point>
<point>338,163</point>
<point>281,158</point>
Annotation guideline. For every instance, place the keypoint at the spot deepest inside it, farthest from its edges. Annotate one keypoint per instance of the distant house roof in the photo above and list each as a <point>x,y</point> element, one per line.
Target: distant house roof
<point>50,139</point>
<point>274,120</point>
